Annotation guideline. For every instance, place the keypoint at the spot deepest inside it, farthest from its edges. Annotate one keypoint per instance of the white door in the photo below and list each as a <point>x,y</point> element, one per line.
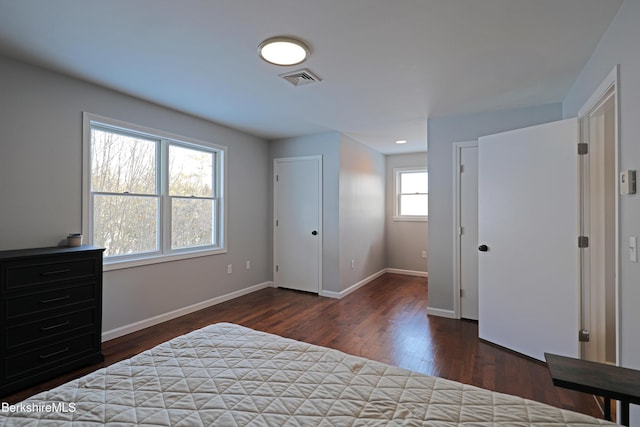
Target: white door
<point>528,220</point>
<point>469,232</point>
<point>297,223</point>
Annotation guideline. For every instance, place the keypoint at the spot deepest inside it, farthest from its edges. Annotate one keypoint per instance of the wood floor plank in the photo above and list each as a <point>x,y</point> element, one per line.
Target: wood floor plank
<point>385,320</point>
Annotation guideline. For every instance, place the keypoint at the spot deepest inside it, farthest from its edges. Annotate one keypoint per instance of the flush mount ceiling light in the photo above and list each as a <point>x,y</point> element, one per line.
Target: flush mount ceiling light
<point>283,51</point>
<point>401,141</point>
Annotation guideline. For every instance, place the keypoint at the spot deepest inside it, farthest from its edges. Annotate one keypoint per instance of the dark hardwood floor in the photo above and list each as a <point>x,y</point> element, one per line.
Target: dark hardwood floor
<point>385,320</point>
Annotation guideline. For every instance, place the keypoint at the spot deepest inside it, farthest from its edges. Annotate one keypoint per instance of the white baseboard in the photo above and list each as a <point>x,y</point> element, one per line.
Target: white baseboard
<point>408,272</point>
<point>342,294</point>
<point>450,314</point>
<point>330,294</point>
<point>127,329</point>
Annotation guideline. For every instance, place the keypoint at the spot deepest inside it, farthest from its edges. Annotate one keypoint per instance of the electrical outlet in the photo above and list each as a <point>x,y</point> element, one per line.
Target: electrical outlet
<point>248,265</point>
<point>424,254</point>
<point>229,268</point>
<point>353,264</point>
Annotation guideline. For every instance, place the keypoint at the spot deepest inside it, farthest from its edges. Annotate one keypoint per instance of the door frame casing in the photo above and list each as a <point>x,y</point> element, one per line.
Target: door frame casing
<point>612,80</point>
<point>318,158</point>
<point>457,205</point>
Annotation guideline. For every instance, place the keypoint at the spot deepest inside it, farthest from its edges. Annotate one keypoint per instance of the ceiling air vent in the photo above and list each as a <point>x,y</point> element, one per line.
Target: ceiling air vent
<point>301,77</point>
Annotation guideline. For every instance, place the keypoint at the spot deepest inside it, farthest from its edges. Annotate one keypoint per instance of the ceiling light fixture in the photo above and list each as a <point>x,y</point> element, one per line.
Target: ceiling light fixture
<point>283,51</point>
<point>401,141</point>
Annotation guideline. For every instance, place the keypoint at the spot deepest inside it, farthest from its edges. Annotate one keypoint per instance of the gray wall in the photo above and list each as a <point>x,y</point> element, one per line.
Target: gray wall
<point>405,239</point>
<point>362,212</point>
<point>41,198</point>
<point>442,133</point>
<point>619,45</point>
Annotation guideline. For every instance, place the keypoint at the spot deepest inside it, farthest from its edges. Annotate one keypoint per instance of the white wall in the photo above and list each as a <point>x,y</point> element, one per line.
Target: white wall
<point>41,199</point>
<point>362,212</point>
<point>442,133</point>
<point>619,45</point>
<point>405,239</point>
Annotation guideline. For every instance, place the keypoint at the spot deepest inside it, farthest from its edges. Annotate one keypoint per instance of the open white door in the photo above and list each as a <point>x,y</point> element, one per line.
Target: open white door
<point>528,220</point>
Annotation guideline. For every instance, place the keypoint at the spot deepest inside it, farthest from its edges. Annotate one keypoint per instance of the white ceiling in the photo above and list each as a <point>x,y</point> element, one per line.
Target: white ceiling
<point>386,65</point>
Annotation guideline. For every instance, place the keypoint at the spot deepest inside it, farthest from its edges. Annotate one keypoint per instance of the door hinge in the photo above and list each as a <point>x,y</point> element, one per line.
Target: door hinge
<point>277,222</point>
<point>461,168</point>
<point>276,268</point>
<point>583,148</point>
<point>583,242</point>
<point>583,335</point>
<point>461,293</point>
<point>277,178</point>
<point>460,231</point>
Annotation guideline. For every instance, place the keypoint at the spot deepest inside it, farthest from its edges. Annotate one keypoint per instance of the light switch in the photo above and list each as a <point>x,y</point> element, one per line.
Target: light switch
<point>633,249</point>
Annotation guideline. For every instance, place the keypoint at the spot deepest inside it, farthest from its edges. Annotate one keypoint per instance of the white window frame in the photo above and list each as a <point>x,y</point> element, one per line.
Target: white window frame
<point>397,173</point>
<point>165,253</point>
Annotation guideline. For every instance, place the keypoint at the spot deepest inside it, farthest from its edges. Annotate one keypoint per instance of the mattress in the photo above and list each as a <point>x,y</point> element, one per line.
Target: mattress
<point>230,375</point>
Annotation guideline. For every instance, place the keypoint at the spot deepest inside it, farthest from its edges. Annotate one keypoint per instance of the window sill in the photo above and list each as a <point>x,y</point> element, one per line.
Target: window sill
<point>411,218</point>
<point>158,259</point>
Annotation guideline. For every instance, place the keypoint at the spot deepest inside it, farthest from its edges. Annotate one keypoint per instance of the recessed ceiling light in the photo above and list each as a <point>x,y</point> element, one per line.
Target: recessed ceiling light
<point>401,141</point>
<point>283,51</point>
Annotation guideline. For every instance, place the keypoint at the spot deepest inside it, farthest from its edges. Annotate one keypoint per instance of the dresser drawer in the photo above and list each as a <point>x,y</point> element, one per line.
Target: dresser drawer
<point>22,274</point>
<point>41,329</point>
<point>24,363</point>
<point>17,306</point>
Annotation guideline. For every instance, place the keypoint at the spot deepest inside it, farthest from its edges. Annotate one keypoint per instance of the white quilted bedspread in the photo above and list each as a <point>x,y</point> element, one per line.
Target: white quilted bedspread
<point>229,375</point>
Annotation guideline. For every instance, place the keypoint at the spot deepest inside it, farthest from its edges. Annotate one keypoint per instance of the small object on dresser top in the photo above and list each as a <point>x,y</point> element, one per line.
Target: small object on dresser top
<point>74,239</point>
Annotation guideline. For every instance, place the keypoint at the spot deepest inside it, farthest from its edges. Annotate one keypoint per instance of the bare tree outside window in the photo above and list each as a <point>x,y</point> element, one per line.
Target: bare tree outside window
<point>191,190</point>
<point>125,202</point>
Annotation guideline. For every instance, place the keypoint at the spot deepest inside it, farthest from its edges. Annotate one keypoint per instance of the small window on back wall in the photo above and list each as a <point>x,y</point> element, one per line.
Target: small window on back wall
<point>411,194</point>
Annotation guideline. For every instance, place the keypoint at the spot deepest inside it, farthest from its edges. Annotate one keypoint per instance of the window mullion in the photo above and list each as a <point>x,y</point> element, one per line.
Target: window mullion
<point>165,199</point>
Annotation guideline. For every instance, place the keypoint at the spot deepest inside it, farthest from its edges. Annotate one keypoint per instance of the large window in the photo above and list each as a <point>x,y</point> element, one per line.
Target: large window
<point>411,194</point>
<point>150,195</point>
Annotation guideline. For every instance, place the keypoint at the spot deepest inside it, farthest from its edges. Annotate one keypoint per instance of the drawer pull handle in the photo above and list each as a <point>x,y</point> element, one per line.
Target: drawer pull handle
<point>47,301</point>
<point>51,273</point>
<point>59,325</point>
<point>55,353</point>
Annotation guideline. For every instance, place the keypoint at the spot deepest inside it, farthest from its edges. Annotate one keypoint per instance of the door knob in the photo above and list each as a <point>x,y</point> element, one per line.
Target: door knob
<point>483,248</point>
<point>314,232</point>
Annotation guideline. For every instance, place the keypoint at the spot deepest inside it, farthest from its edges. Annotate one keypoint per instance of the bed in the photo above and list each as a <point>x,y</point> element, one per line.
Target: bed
<point>230,375</point>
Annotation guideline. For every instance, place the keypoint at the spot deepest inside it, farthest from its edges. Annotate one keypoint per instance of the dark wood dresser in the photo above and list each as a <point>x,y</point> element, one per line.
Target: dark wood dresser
<point>50,313</point>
